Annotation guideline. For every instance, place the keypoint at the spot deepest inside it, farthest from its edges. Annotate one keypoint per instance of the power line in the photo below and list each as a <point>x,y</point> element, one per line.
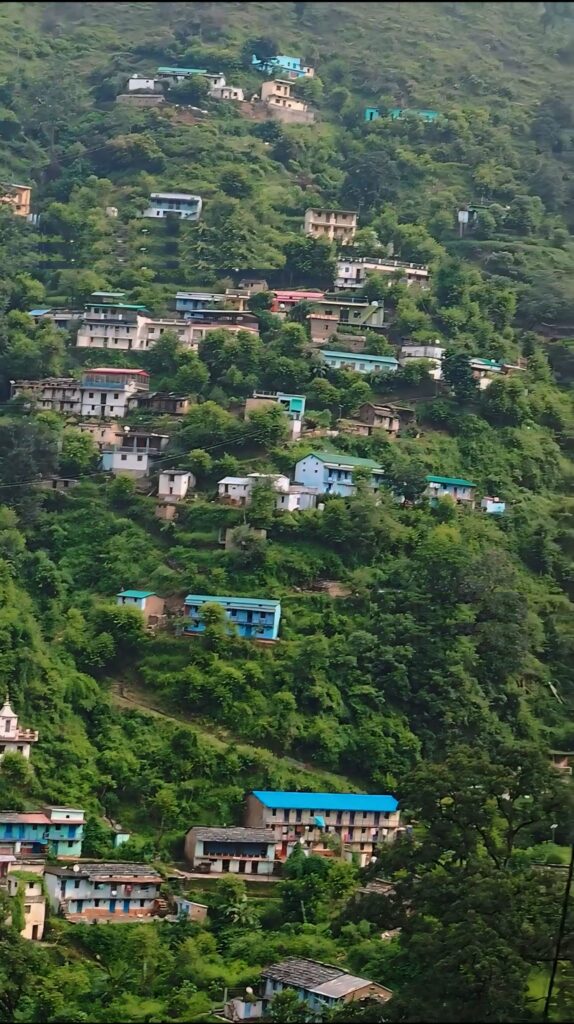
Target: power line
<point>256,435</point>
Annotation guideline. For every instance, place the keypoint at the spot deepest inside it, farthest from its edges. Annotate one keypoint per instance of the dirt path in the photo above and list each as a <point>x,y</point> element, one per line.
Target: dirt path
<point>128,697</point>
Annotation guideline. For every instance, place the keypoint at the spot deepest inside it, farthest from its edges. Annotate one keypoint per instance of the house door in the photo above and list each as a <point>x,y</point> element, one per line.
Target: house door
<point>113,906</point>
<point>242,867</point>
<point>35,929</point>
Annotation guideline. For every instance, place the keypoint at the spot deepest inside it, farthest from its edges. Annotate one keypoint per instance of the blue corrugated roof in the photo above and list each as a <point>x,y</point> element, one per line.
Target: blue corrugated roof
<point>232,602</point>
<point>39,312</point>
<point>327,801</point>
<point>136,593</point>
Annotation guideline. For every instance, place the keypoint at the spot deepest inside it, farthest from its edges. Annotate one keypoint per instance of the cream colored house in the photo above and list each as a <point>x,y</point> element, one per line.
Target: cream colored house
<point>14,739</point>
<point>336,225</point>
<point>27,888</point>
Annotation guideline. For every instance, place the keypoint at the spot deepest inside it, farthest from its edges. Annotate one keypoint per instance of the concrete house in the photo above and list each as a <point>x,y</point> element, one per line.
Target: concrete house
<point>237,490</point>
<point>357,823</point>
<point>336,225</point>
<point>146,601</point>
<point>181,205</point>
<point>244,851</point>
<point>351,273</point>
<point>283,300</point>
<point>133,453</point>
<point>172,76</point>
<point>359,362</point>
<point>433,354</point>
<point>293,405</point>
<point>460,490</point>
<point>58,394</point>
<point>110,892</point>
<point>174,484</point>
<point>33,833</point>
<point>290,67</point>
<point>27,887</point>
<point>188,302</point>
<point>333,472</point>
<point>106,391</point>
<point>227,92</point>
<point>282,105</point>
<point>18,197</point>
<point>253,618</point>
<point>138,84</point>
<point>493,506</point>
<point>13,738</point>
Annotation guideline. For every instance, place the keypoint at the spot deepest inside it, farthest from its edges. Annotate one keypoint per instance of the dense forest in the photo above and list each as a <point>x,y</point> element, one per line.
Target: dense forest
<point>439,667</point>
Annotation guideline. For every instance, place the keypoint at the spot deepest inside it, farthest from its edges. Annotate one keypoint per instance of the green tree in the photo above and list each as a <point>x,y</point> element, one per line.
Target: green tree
<point>457,373</point>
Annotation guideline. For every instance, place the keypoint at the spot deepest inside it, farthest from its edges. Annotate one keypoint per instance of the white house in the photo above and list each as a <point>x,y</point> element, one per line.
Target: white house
<point>433,354</point>
<point>359,362</point>
<point>135,335</point>
<point>14,739</point>
<point>352,273</point>
<point>181,205</point>
<point>126,463</point>
<point>138,84</point>
<point>214,82</point>
<point>237,490</point>
<point>227,92</point>
<point>174,484</point>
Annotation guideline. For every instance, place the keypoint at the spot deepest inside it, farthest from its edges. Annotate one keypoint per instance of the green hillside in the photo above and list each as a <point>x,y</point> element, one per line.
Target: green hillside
<point>425,646</point>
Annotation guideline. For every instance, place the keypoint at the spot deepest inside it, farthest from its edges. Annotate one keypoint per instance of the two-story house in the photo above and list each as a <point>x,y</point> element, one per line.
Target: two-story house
<point>282,105</point>
<point>57,394</point>
<point>380,417</point>
<point>17,197</point>
<point>290,67</point>
<point>284,300</point>
<point>133,452</point>
<point>460,490</point>
<point>251,617</point>
<point>163,402</point>
<point>32,833</point>
<point>180,205</point>
<point>334,473</point>
<point>335,225</point>
<point>357,823</point>
<point>27,888</point>
<point>13,738</point>
<point>189,302</point>
<point>106,390</point>
<point>352,273</point>
<point>293,405</point>
<point>238,490</point>
<point>146,601</point>
<point>244,851</point>
<point>91,892</point>
<point>173,484</point>
<point>432,354</point>
<point>359,362</point>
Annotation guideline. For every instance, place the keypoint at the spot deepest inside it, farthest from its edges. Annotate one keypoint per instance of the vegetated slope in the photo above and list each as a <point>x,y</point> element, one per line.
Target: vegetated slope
<point>450,641</point>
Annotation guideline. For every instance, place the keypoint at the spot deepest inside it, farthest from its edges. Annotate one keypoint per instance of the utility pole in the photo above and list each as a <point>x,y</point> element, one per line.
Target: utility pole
<point>560,936</point>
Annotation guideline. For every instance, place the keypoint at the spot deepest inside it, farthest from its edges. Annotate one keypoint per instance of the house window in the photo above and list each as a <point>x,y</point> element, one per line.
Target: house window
<point>123,458</point>
<point>139,458</point>
<point>97,903</point>
<point>77,884</point>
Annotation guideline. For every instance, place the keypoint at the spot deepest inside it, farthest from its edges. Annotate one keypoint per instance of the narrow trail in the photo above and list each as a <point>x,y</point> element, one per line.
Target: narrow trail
<point>128,698</point>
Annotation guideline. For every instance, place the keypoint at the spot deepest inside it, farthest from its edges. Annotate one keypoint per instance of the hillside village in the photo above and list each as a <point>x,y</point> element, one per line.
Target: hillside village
<point>285,551</point>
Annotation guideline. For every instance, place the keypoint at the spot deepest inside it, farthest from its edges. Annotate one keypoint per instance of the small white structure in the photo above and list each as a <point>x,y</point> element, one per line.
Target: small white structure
<point>174,484</point>
<point>238,490</point>
<point>216,81</point>
<point>433,354</point>
<point>13,739</point>
<point>493,506</point>
<point>138,84</point>
<point>227,92</point>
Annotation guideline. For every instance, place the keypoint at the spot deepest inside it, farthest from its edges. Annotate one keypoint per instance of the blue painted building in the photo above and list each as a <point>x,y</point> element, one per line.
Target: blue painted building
<point>359,362</point>
<point>58,830</point>
<point>92,891</point>
<point>251,617</point>
<point>334,473</point>
<point>460,490</point>
<point>188,302</point>
<point>396,113</point>
<point>318,986</point>
<point>290,67</point>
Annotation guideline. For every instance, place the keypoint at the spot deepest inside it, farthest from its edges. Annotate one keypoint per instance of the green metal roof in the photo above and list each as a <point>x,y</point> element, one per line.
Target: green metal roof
<point>116,305</point>
<point>452,480</point>
<point>346,460</point>
<point>136,593</point>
